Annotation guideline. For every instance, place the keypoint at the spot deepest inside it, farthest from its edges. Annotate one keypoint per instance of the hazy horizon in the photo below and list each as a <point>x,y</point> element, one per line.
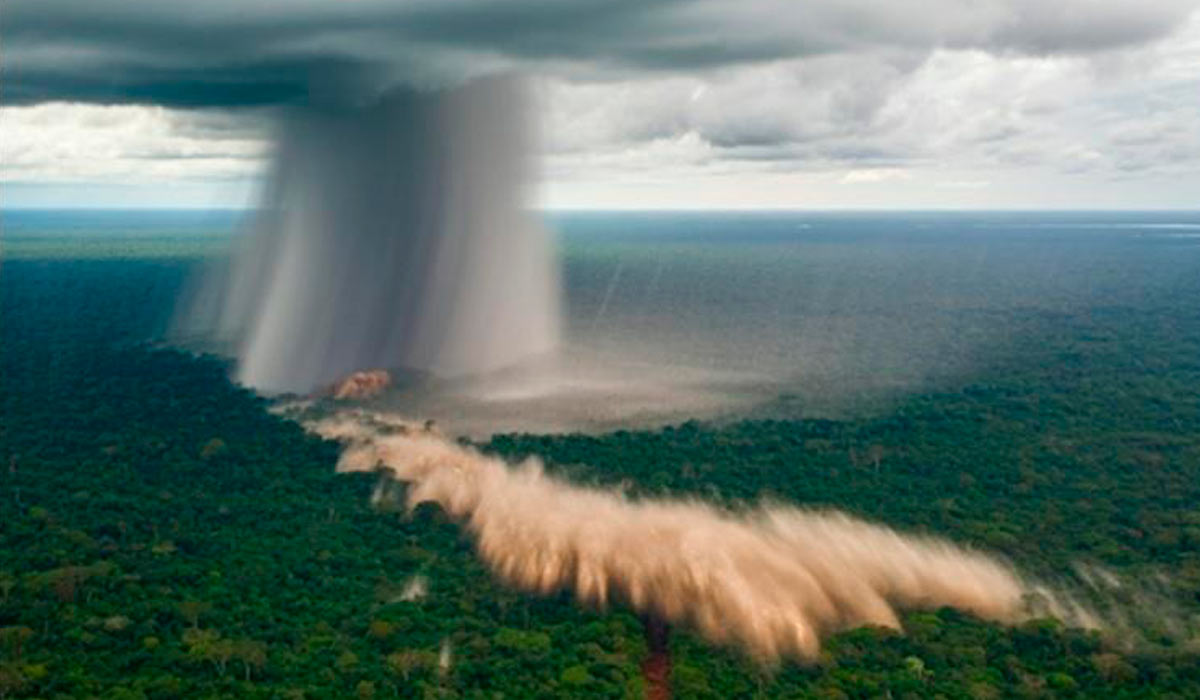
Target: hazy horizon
<point>666,210</point>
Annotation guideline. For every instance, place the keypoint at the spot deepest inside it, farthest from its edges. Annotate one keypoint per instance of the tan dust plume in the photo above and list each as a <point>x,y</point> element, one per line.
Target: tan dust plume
<point>361,385</point>
<point>774,581</point>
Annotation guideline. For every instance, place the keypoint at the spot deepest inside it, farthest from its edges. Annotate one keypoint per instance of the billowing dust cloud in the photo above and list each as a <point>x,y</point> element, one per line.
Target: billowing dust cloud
<point>362,385</point>
<point>773,582</point>
<point>392,234</point>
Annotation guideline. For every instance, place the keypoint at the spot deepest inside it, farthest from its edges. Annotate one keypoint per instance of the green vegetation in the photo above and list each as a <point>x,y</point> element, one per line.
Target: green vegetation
<point>162,535</point>
<point>114,235</point>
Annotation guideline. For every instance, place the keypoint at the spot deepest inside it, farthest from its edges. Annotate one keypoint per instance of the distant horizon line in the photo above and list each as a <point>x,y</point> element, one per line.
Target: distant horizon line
<point>679,210</point>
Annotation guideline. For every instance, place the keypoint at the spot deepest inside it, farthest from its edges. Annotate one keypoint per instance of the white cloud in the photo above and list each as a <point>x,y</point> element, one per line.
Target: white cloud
<point>955,126</point>
<point>59,142</point>
<point>874,175</point>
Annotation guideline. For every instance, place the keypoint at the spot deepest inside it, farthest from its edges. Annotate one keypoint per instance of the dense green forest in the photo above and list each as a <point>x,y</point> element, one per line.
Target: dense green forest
<point>163,535</point>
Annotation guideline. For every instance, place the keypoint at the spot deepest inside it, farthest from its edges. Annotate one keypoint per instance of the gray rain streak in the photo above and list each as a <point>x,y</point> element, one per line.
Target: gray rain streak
<point>393,235</point>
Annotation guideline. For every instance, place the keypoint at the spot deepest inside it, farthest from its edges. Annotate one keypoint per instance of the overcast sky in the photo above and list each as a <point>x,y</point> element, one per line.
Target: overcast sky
<point>643,103</point>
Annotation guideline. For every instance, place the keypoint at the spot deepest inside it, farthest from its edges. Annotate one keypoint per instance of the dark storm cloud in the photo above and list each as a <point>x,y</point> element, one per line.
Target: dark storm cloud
<point>228,85</point>
<point>225,53</point>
